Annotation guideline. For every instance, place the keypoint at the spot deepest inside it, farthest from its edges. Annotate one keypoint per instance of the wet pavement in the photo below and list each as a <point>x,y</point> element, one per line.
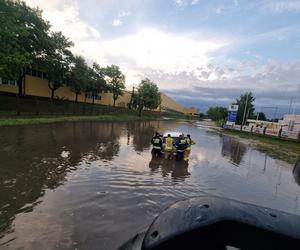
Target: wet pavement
<point>92,185</point>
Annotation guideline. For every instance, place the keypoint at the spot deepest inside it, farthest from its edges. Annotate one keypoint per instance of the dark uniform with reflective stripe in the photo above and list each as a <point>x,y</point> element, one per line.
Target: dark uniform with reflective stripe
<point>181,146</point>
<point>157,145</point>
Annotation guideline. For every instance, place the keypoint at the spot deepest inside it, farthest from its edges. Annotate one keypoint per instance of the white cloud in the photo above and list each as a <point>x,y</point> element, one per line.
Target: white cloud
<point>116,22</point>
<point>64,16</point>
<point>283,5</point>
<point>194,2</point>
<point>273,84</point>
<point>124,14</point>
<point>179,3</point>
<point>136,53</point>
<point>155,49</point>
<point>119,21</point>
<point>219,10</point>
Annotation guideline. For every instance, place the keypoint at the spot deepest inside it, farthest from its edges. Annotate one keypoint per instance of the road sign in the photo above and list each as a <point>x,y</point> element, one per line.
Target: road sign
<point>232,114</point>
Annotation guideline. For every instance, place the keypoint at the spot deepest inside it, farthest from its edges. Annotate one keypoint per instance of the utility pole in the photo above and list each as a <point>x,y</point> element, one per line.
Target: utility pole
<point>245,108</point>
<point>131,99</point>
<point>291,102</point>
<point>247,116</point>
<point>297,99</point>
<point>275,113</point>
<point>258,114</point>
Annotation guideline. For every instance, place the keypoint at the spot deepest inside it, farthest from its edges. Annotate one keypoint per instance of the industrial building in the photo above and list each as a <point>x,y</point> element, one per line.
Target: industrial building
<point>36,84</point>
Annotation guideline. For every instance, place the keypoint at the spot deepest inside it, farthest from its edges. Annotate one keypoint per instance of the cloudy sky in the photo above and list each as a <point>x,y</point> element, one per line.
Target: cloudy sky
<point>200,52</point>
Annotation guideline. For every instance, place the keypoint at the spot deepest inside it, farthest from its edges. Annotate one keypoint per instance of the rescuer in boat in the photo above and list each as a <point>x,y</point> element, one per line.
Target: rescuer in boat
<point>181,147</point>
<point>169,147</point>
<point>187,151</point>
<point>157,144</point>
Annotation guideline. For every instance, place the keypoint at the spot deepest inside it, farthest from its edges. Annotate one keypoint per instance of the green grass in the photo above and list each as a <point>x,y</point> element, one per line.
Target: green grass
<point>54,119</point>
<point>288,151</point>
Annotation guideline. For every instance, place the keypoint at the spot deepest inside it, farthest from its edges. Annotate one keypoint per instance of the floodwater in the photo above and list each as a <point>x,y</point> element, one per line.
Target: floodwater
<point>92,185</point>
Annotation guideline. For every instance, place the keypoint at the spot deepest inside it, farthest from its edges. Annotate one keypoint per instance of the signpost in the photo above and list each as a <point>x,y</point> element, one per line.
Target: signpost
<point>232,114</point>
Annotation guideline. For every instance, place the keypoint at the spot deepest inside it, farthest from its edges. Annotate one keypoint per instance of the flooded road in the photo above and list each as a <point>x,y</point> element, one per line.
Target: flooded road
<point>92,185</point>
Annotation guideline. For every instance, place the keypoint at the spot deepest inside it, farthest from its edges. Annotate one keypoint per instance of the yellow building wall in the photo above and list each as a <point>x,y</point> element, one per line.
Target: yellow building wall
<point>169,103</point>
<point>124,99</point>
<point>9,88</point>
<point>39,87</point>
<point>192,111</point>
<point>106,99</point>
<point>64,93</point>
<point>35,86</point>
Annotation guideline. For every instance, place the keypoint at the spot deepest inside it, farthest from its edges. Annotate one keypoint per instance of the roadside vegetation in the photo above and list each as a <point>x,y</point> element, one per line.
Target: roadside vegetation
<point>218,114</point>
<point>147,96</point>
<point>278,148</point>
<point>246,106</point>
<point>288,151</point>
<point>128,116</point>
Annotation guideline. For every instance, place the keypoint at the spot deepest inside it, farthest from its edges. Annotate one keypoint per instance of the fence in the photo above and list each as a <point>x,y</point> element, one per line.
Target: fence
<point>30,106</point>
<point>279,133</point>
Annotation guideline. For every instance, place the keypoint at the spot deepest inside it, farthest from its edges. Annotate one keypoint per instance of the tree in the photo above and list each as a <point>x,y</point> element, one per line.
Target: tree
<point>77,78</point>
<point>148,95</point>
<point>116,81</point>
<point>201,115</point>
<point>246,107</point>
<point>58,61</point>
<point>217,113</point>
<point>23,39</point>
<point>96,83</point>
<point>261,116</point>
<point>131,104</point>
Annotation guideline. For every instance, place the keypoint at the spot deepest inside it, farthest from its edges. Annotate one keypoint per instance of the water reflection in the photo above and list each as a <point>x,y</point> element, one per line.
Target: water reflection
<point>83,181</point>
<point>36,158</point>
<point>140,133</point>
<point>233,149</point>
<point>42,156</point>
<point>178,170</point>
<point>296,172</point>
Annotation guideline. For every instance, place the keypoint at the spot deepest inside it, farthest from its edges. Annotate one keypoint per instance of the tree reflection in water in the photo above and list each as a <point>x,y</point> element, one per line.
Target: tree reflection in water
<point>42,156</point>
<point>233,149</point>
<point>141,133</point>
<point>296,172</point>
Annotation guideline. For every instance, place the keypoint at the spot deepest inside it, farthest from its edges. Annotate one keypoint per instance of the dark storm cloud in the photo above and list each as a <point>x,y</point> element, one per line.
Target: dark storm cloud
<point>273,86</point>
<point>203,98</point>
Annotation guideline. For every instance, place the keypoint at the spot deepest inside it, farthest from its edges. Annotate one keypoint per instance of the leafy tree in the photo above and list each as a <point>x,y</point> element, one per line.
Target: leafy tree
<point>201,115</point>
<point>116,81</point>
<point>58,61</point>
<point>262,116</point>
<point>217,113</point>
<point>96,83</point>
<point>246,106</point>
<point>77,78</point>
<point>148,95</point>
<point>23,39</point>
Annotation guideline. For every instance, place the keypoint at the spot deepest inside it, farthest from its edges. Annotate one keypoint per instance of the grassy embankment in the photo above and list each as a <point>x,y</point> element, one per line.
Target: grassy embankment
<point>277,148</point>
<point>128,116</point>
